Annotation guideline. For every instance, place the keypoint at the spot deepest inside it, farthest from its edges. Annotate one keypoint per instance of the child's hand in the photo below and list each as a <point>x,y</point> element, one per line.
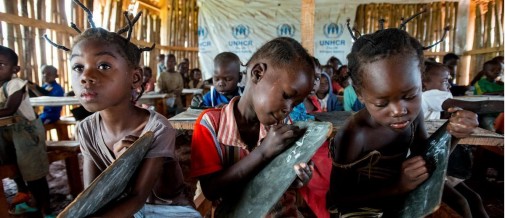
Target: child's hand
<point>413,173</point>
<point>278,138</point>
<point>304,174</point>
<point>462,123</point>
<point>120,147</point>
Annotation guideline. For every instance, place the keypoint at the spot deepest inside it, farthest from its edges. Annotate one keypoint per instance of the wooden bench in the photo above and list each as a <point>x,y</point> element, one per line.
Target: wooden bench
<point>68,151</point>
<point>61,127</point>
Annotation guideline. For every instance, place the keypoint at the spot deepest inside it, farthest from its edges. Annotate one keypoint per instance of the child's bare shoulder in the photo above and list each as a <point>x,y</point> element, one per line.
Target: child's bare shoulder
<point>350,139</point>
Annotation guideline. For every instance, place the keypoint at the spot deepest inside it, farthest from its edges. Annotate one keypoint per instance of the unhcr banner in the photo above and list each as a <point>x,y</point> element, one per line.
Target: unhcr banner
<point>331,37</point>
<point>242,27</point>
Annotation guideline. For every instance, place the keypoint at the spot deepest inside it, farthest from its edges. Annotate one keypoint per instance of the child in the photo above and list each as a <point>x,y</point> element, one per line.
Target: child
<point>225,80</point>
<point>105,71</point>
<point>325,96</point>
<point>230,145</point>
<point>147,79</point>
<point>196,81</point>
<point>488,85</point>
<point>172,83</point>
<point>371,176</point>
<point>22,143</point>
<point>183,69</point>
<point>351,100</point>
<point>436,97</point>
<point>49,75</point>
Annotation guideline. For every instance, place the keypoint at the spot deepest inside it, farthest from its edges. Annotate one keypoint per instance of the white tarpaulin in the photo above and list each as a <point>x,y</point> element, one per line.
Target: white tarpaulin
<point>331,37</point>
<point>242,27</point>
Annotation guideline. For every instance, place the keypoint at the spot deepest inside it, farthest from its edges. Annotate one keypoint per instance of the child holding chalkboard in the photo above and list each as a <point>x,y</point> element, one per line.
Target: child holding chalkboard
<point>437,97</point>
<point>232,144</point>
<point>105,77</point>
<point>374,165</point>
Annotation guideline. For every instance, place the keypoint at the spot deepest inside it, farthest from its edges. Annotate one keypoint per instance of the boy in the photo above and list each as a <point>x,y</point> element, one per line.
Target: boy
<point>49,75</point>
<point>22,143</point>
<point>325,96</point>
<point>488,84</point>
<point>230,145</point>
<point>171,82</point>
<point>225,82</point>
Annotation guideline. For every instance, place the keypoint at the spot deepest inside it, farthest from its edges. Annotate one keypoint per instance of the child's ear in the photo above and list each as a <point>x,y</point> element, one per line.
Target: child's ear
<point>258,72</point>
<point>16,69</point>
<point>137,77</point>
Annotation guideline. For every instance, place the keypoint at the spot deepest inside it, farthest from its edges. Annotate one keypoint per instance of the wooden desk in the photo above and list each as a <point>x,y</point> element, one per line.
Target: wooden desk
<point>188,95</point>
<point>147,98</point>
<point>185,120</point>
<point>480,98</point>
<point>481,137</point>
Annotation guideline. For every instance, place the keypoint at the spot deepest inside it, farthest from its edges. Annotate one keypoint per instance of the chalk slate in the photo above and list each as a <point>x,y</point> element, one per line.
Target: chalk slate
<point>111,182</point>
<point>426,198</point>
<point>266,188</point>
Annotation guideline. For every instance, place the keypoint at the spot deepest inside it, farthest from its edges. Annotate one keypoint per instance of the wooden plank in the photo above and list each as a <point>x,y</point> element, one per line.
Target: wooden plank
<point>102,191</point>
<point>13,19</point>
<point>307,24</point>
<point>256,199</point>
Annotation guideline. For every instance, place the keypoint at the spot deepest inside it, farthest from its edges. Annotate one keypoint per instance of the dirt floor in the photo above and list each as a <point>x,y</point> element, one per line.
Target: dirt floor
<point>487,180</point>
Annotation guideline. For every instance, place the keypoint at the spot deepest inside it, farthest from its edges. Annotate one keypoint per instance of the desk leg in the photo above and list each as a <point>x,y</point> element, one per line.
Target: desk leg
<point>74,175</point>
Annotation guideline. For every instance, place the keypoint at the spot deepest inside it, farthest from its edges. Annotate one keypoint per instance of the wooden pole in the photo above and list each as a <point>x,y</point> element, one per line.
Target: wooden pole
<point>307,25</point>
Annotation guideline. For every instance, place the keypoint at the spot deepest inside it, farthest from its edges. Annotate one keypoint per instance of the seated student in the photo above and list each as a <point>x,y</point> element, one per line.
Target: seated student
<point>22,143</point>
<point>183,69</point>
<point>487,85</point>
<point>196,81</point>
<point>351,100</point>
<point>105,70</point>
<point>232,144</point>
<point>172,83</point>
<point>436,96</point>
<point>334,62</point>
<point>148,80</point>
<point>50,114</point>
<point>325,96</point>
<point>225,80</point>
<point>370,177</point>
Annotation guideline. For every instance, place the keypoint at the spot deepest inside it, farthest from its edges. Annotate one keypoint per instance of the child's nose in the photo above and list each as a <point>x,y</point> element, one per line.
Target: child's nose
<point>398,110</point>
<point>88,76</point>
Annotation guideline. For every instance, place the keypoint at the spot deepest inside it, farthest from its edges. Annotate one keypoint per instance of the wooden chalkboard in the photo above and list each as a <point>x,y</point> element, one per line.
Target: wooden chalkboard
<point>111,182</point>
<point>266,188</point>
<point>426,198</point>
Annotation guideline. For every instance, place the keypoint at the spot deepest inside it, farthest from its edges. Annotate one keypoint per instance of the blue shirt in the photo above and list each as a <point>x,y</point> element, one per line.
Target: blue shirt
<point>52,114</point>
<point>214,98</point>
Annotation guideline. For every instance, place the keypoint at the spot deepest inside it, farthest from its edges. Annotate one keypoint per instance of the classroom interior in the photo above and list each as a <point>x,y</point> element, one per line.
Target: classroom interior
<point>474,34</point>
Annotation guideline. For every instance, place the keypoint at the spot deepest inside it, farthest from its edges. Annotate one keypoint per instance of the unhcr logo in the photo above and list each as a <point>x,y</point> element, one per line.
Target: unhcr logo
<point>333,30</point>
<point>202,33</point>
<point>240,31</point>
<point>286,30</point>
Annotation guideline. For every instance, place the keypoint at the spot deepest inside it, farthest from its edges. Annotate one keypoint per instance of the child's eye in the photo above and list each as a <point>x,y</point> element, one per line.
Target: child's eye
<point>103,67</point>
<point>381,105</point>
<point>78,68</point>
<point>410,97</point>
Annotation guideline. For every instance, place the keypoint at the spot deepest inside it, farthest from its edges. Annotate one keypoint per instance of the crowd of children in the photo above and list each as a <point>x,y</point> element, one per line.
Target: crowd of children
<point>388,84</point>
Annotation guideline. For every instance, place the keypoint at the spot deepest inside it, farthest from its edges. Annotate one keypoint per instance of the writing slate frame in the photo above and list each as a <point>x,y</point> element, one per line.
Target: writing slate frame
<point>426,198</point>
<point>111,183</point>
<point>267,187</point>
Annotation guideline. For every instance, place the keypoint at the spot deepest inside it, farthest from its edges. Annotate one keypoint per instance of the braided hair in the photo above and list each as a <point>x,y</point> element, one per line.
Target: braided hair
<point>129,51</point>
<point>382,44</point>
<point>283,52</point>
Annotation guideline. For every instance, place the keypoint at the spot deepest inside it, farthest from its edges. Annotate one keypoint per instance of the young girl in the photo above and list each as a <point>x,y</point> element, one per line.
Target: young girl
<point>196,81</point>
<point>105,71</point>
<point>371,176</point>
<point>232,144</point>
